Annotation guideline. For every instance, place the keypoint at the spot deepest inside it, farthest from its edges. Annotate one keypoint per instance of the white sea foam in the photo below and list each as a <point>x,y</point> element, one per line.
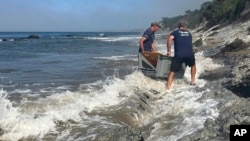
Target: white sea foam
<point>189,114</point>
<point>113,39</point>
<point>119,58</point>
<point>23,91</point>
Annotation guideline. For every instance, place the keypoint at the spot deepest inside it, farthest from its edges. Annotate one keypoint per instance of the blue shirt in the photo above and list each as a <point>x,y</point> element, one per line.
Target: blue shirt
<point>182,43</point>
<point>150,36</point>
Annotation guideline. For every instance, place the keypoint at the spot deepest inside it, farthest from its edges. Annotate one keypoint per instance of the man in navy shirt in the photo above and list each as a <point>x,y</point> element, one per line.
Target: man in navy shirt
<point>183,52</point>
<point>147,39</point>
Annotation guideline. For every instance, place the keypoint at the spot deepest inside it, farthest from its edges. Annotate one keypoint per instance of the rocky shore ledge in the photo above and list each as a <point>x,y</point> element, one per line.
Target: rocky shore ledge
<point>229,46</point>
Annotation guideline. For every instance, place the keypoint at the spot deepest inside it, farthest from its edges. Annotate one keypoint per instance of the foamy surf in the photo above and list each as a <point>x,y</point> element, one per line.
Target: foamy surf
<point>119,58</point>
<point>114,39</point>
<point>179,112</point>
<point>85,114</point>
<point>35,119</point>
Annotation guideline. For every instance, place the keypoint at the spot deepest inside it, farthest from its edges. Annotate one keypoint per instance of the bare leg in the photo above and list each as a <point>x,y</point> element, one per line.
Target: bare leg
<point>193,72</point>
<point>170,79</point>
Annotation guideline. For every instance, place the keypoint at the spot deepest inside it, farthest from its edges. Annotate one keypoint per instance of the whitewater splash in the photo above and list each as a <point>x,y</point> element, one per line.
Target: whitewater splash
<point>114,39</point>
<point>179,112</point>
<point>119,58</point>
<point>85,113</point>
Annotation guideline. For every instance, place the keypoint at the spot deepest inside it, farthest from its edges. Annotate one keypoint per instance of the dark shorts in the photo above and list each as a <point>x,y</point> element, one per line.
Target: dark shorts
<point>177,63</point>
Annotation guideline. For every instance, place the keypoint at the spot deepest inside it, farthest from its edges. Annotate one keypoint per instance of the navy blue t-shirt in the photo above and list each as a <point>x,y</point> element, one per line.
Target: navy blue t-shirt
<point>182,43</point>
<point>150,36</point>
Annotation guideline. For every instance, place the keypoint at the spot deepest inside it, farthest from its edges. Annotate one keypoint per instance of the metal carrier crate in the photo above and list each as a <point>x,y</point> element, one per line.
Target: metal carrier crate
<point>156,65</point>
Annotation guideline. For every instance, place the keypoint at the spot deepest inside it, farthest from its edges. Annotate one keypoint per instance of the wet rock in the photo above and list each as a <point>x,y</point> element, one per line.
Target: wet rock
<point>236,45</point>
<point>7,70</point>
<point>198,43</point>
<point>243,90</point>
<point>1,131</point>
<point>33,37</point>
<point>123,134</point>
<point>23,38</point>
<point>215,75</point>
<point>240,76</point>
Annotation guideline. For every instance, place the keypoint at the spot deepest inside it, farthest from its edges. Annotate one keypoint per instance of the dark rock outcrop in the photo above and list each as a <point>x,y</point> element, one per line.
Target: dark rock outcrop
<point>239,81</point>
<point>235,46</point>
<point>33,37</point>
<point>198,43</point>
<point>245,15</point>
<point>1,131</point>
<point>122,134</point>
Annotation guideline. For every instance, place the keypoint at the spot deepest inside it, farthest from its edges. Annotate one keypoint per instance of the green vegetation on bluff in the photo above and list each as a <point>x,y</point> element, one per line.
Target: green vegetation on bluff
<point>215,12</point>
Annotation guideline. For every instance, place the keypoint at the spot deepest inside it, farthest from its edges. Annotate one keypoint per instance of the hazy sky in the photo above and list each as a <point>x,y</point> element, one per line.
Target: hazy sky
<point>88,15</point>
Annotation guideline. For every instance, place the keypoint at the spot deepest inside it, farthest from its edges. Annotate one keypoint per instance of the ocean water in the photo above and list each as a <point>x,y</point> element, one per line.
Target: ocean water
<point>76,85</point>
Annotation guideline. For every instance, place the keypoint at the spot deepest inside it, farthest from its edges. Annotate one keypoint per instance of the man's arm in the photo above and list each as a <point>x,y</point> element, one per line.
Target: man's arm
<point>141,43</point>
<point>153,48</point>
<point>169,44</point>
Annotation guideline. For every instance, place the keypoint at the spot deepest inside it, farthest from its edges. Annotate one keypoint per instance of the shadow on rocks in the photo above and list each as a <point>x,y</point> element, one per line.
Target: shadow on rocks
<point>232,48</point>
